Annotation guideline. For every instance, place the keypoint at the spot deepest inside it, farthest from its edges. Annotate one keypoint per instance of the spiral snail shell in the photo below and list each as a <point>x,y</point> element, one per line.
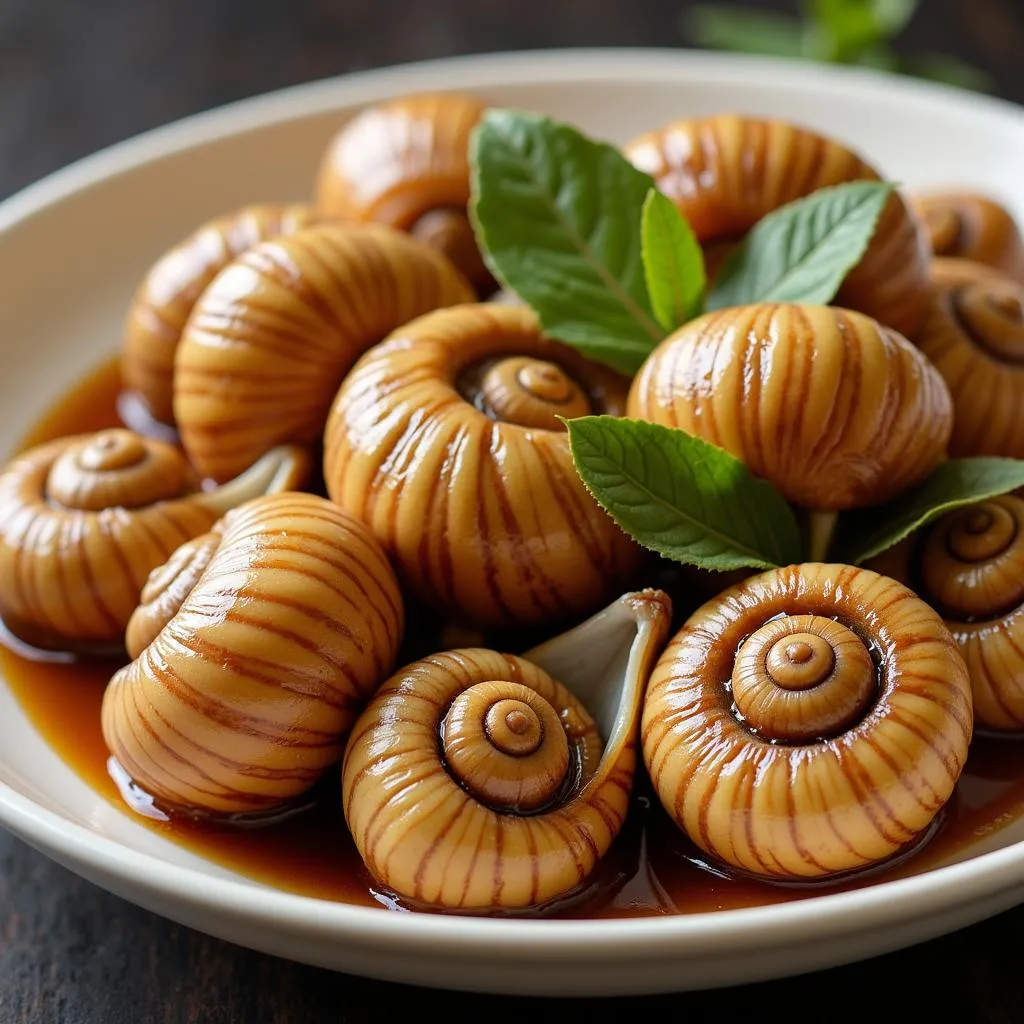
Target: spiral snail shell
<point>271,338</point>
<point>831,407</point>
<point>84,519</point>
<point>963,225</point>
<point>969,565</point>
<point>446,440</point>
<point>476,780</point>
<point>254,648</point>
<point>405,163</point>
<point>165,298</point>
<point>974,335</point>
<point>727,172</point>
<point>810,721</point>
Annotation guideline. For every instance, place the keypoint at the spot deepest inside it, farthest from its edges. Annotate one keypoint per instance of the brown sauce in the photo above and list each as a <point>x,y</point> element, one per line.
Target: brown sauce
<point>652,869</point>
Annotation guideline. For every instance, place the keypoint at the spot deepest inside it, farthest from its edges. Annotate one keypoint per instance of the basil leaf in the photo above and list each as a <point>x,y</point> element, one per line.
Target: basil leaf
<point>869,532</point>
<point>745,29</point>
<point>558,219</point>
<point>673,262</point>
<point>803,251</point>
<point>682,497</point>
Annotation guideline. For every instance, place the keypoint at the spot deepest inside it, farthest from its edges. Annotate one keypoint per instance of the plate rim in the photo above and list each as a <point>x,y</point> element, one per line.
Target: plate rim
<point>467,936</point>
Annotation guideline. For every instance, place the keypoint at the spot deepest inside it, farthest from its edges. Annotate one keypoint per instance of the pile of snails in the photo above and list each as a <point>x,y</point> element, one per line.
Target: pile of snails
<point>802,723</point>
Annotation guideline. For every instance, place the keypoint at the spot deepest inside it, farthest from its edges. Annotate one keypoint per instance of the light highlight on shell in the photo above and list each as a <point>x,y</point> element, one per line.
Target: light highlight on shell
<point>832,408</point>
<point>727,172</point>
<point>254,650</point>
<point>445,439</point>
<point>271,338</point>
<point>842,771</point>
<point>483,781</point>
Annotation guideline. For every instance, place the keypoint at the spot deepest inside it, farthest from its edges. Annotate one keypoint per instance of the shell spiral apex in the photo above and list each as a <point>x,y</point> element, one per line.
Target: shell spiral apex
<point>810,721</point>
<point>727,172</point>
<point>832,408</point>
<point>254,649</point>
<point>83,521</point>
<point>445,439</point>
<point>271,338</point>
<point>479,781</point>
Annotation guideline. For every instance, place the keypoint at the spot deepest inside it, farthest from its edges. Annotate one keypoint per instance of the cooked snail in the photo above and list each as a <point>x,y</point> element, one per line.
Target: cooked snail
<point>969,566</point>
<point>83,521</point>
<point>169,291</point>
<point>476,780</point>
<point>810,721</point>
<point>832,408</point>
<point>254,648</point>
<point>446,440</point>
<point>725,173</point>
<point>406,164</point>
<point>271,338</point>
<point>974,335</point>
<point>972,227</point>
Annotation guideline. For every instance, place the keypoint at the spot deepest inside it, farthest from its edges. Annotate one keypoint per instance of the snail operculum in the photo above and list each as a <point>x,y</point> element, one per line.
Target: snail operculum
<point>477,780</point>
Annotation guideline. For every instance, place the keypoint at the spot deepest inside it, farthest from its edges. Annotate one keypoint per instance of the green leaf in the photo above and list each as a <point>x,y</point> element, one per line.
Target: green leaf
<point>682,497</point>
<point>948,70</point>
<point>959,482</point>
<point>802,252</point>
<point>558,216</point>
<point>673,262</point>
<point>744,29</point>
<point>845,27</point>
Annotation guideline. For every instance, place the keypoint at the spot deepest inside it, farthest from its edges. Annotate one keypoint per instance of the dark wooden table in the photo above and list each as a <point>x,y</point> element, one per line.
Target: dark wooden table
<point>76,76</point>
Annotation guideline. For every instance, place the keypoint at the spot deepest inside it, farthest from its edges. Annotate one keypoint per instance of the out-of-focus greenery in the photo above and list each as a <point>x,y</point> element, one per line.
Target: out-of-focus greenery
<point>836,31</point>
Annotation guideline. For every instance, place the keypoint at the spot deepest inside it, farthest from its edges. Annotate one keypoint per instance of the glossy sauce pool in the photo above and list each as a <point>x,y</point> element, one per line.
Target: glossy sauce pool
<point>652,868</point>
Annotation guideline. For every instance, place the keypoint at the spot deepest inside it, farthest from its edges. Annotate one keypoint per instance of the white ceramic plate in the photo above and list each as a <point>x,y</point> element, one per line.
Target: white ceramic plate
<point>72,249</point>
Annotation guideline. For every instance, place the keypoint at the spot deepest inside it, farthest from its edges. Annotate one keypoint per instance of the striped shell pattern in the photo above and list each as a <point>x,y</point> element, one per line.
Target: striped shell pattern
<point>280,624</point>
<point>810,721</point>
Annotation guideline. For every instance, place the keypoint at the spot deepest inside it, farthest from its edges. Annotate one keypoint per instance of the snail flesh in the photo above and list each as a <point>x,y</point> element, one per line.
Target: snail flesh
<point>974,335</point>
<point>254,648</point>
<point>484,781</point>
<point>84,519</point>
<point>270,340</point>
<point>727,172</point>
<point>405,163</point>
<point>808,722</point>
<point>447,440</point>
<point>831,407</point>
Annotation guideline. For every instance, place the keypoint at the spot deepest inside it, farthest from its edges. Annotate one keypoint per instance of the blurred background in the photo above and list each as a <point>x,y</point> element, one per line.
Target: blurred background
<point>76,76</point>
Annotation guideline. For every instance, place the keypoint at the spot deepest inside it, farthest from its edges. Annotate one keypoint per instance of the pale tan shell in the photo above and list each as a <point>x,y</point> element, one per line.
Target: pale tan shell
<point>832,408</point>
<point>964,225</point>
<point>405,163</point>
<point>969,566</point>
<point>974,335</point>
<point>242,699</point>
<point>781,763</point>
<point>727,172</point>
<point>83,521</point>
<point>445,440</point>
<point>476,780</point>
<point>272,337</point>
<point>165,297</point>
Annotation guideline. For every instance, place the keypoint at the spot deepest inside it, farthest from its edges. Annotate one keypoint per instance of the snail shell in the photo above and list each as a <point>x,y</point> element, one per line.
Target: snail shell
<point>254,648</point>
<point>810,721</point>
<point>974,335</point>
<point>271,338</point>
<point>166,296</point>
<point>969,565</point>
<point>476,780</point>
<point>446,440</point>
<point>973,227</point>
<point>727,172</point>
<point>83,521</point>
<point>831,407</point>
<point>406,164</point>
